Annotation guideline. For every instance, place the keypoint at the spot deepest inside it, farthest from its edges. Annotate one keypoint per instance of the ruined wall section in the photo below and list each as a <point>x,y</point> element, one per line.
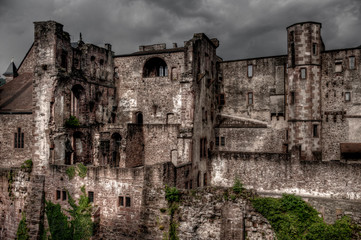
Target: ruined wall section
<point>254,88</point>
<point>341,113</point>
<point>11,156</point>
<point>14,185</point>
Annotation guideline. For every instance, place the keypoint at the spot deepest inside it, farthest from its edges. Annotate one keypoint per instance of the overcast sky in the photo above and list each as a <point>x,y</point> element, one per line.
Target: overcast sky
<point>245,28</point>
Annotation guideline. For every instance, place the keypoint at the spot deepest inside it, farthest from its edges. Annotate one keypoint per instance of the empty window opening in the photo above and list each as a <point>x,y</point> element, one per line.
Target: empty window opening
<point>64,195</point>
<point>314,49</point>
<point>199,179</point>
<point>351,62</point>
<point>139,118</point>
<point>347,96</point>
<point>76,93</point>
<point>155,67</point>
<point>205,179</point>
<point>101,62</point>
<point>91,196</point>
<point>64,59</point>
<point>217,141</point>
<point>116,142</point>
<point>58,194</point>
<point>293,99</point>
<point>120,201</point>
<point>127,201</point>
<point>338,66</point>
<point>186,185</point>
<point>221,99</point>
<point>250,98</point>
<point>19,139</point>
<point>68,151</point>
<point>223,141</point>
<point>250,71</point>
<point>92,58</point>
<point>315,130</point>
<point>303,73</point>
<point>190,184</point>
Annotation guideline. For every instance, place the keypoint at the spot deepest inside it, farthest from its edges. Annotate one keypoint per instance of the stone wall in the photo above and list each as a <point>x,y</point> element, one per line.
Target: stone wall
<point>9,155</point>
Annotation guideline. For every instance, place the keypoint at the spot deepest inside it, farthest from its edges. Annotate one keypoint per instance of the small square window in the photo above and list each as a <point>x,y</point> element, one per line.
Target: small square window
<point>58,194</point>
<point>223,141</point>
<point>64,196</point>
<point>303,73</point>
<point>121,201</point>
<point>250,71</point>
<point>351,62</point>
<point>347,96</point>
<point>91,196</point>
<point>127,201</point>
<point>250,98</point>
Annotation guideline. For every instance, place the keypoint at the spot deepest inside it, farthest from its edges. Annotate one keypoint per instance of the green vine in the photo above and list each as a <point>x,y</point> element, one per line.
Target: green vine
<point>82,170</point>
<point>27,166</point>
<point>70,171</point>
<point>10,182</point>
<point>172,195</point>
<point>23,231</point>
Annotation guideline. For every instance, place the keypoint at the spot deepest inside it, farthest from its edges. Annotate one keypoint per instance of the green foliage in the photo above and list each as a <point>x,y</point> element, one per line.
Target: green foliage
<point>237,186</point>
<point>82,170</point>
<point>81,221</point>
<point>173,231</point>
<point>59,226</point>
<point>10,183</point>
<point>292,218</point>
<point>80,226</point>
<point>72,122</point>
<point>23,231</point>
<point>162,210</point>
<point>70,171</point>
<point>172,194</point>
<point>27,166</point>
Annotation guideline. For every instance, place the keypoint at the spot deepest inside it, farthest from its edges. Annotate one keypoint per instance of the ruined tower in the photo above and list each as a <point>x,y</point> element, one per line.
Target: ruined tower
<point>304,92</point>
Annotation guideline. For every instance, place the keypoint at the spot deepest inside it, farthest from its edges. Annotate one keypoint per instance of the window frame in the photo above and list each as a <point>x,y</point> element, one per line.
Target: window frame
<point>314,49</point>
<point>91,196</point>
<point>303,73</point>
<point>250,70</point>
<point>353,65</point>
<point>315,131</point>
<point>347,96</point>
<point>250,97</point>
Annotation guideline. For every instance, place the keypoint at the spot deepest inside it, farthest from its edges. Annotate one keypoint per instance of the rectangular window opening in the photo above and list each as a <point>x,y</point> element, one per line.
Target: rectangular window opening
<point>352,62</point>
<point>91,196</point>
<point>127,201</point>
<point>315,130</point>
<point>223,141</point>
<point>58,194</point>
<point>121,201</point>
<point>292,100</point>
<point>314,49</point>
<point>338,66</point>
<point>217,141</point>
<point>250,98</point>
<point>64,196</point>
<point>250,71</point>
<point>347,96</point>
<point>303,73</point>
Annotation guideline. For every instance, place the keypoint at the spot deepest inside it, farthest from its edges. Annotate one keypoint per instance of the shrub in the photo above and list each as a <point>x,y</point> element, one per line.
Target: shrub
<point>72,122</point>
<point>27,166</point>
<point>82,170</point>
<point>172,194</point>
<point>23,231</point>
<point>237,186</point>
<point>70,171</point>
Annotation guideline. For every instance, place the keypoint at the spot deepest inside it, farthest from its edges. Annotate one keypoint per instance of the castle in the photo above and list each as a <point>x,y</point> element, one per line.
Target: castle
<point>179,116</point>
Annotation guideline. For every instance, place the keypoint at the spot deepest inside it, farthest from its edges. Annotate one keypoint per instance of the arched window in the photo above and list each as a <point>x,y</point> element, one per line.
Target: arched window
<point>139,118</point>
<point>76,93</point>
<point>155,67</point>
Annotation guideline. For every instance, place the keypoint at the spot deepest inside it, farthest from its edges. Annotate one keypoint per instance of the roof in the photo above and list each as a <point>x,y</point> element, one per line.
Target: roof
<point>16,95</point>
<point>11,70</point>
<point>170,50</point>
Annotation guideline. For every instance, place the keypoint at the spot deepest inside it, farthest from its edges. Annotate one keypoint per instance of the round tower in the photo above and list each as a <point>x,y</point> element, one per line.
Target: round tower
<point>304,88</point>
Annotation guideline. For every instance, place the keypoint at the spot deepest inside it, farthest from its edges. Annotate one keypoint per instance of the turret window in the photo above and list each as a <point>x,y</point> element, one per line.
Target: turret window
<point>314,49</point>
<point>303,73</point>
<point>347,96</point>
<point>250,98</point>
<point>250,71</point>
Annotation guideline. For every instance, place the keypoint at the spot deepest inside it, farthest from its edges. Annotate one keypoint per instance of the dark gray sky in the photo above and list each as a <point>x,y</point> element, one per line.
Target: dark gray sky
<point>245,28</point>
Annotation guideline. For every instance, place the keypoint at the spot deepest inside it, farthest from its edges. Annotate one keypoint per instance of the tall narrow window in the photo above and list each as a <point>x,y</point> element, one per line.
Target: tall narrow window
<point>223,141</point>
<point>127,201</point>
<point>217,141</point>
<point>139,118</point>
<point>351,62</point>
<point>58,193</point>
<point>314,49</point>
<point>221,99</point>
<point>250,71</point>
<point>303,73</point>
<point>64,195</point>
<point>315,130</point>
<point>292,98</point>
<point>91,196</point>
<point>121,201</point>
<point>64,59</point>
<point>347,96</point>
<point>19,139</point>
<point>250,98</point>
<point>205,179</point>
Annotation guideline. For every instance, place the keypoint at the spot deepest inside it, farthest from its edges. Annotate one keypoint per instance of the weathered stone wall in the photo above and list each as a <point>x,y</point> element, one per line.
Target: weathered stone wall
<point>9,155</point>
<point>14,186</point>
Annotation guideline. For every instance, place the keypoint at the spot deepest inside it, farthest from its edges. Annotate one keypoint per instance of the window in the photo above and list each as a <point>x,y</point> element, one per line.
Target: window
<point>139,118</point>
<point>223,141</point>
<point>190,184</point>
<point>315,130</point>
<point>91,196</point>
<point>221,99</point>
<point>64,60</point>
<point>76,93</point>
<point>303,73</point>
<point>19,139</point>
<point>338,66</point>
<point>58,193</point>
<point>127,201</point>
<point>64,195</point>
<point>250,71</point>
<point>121,201</point>
<point>347,96</point>
<point>155,67</point>
<point>250,98</point>
<point>217,141</point>
<point>205,179</point>
<point>314,49</point>
<point>351,62</point>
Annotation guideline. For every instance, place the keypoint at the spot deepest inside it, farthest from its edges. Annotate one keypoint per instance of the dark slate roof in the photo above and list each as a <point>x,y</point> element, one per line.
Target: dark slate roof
<point>16,95</point>
<point>11,70</point>
<point>160,51</point>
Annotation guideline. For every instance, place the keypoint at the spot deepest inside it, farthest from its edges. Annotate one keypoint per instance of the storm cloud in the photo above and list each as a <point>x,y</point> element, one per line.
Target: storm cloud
<point>245,29</point>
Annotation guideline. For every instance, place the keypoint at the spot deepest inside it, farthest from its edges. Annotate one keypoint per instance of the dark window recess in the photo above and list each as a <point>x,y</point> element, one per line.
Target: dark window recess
<point>58,194</point>
<point>64,195</point>
<point>91,196</point>
<point>121,202</point>
<point>292,100</point>
<point>19,139</point>
<point>217,141</point>
<point>221,99</point>
<point>127,201</point>
<point>155,67</point>
<point>190,184</point>
<point>104,147</point>
<point>139,118</point>
<point>64,59</point>
<point>315,130</point>
<point>205,179</point>
<point>186,185</point>
<point>314,49</point>
<point>223,141</point>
